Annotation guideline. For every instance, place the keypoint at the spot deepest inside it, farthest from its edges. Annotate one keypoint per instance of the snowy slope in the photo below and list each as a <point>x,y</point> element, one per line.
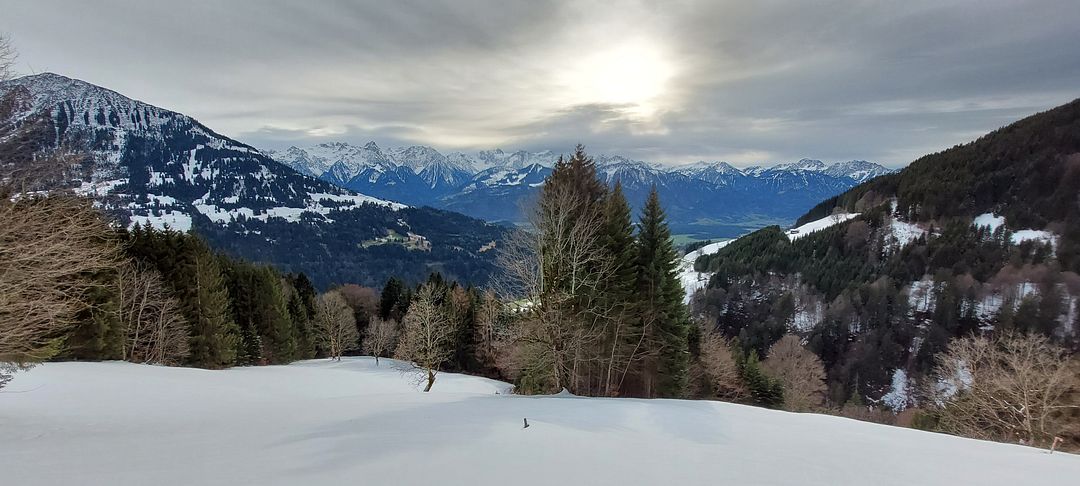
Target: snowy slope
<point>818,225</point>
<point>993,222</point>
<point>692,281</point>
<point>158,166</point>
<point>320,422</point>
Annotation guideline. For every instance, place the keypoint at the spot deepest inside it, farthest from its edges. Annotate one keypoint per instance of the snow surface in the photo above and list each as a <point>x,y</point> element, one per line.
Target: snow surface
<point>175,220</point>
<point>1040,236</point>
<point>904,233</point>
<point>818,225</point>
<point>323,422</point>
<point>993,222</point>
<point>989,220</point>
<point>693,281</point>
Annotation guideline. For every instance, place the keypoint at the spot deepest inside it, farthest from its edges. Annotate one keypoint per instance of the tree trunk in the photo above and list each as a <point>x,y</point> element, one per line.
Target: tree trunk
<point>430,380</point>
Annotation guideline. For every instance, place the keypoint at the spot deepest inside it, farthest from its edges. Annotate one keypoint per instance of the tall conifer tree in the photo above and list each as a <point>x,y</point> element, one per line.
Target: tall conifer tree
<point>660,304</point>
<point>214,334</point>
<point>620,348</point>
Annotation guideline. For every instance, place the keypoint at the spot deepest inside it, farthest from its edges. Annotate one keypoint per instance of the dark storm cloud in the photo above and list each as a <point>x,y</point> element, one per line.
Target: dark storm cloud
<point>674,81</point>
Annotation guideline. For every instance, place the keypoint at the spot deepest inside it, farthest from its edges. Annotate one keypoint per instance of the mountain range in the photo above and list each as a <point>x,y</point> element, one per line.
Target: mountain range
<point>156,167</point>
<point>705,199</point>
<point>345,213</point>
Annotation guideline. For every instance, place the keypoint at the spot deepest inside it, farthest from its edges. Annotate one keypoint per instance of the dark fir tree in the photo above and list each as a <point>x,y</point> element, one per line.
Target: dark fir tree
<point>623,332</point>
<point>660,303</point>
<point>301,305</point>
<point>214,335</point>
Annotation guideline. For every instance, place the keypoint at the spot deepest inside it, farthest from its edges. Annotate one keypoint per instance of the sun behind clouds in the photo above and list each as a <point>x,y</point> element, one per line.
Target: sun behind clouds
<point>634,75</point>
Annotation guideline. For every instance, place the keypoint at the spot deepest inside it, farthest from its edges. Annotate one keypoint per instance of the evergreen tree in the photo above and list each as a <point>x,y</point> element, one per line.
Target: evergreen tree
<point>393,302</point>
<point>764,390</point>
<point>260,308</point>
<point>660,303</point>
<point>623,331</point>
<point>98,335</point>
<point>241,300</point>
<point>301,304</point>
<point>214,334</point>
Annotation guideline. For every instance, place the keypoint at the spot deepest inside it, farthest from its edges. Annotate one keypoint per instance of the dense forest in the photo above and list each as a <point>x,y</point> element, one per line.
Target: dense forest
<point>1028,172</point>
<point>881,298</point>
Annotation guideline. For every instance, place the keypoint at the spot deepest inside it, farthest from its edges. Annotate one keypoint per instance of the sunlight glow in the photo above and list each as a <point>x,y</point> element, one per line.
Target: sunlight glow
<point>632,74</point>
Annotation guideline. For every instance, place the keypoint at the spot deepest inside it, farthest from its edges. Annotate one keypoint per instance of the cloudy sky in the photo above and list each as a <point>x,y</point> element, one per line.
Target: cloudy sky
<point>671,81</point>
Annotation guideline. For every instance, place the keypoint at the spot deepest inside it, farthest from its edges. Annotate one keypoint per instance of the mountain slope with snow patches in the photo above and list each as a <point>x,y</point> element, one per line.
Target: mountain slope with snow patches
<point>156,167</point>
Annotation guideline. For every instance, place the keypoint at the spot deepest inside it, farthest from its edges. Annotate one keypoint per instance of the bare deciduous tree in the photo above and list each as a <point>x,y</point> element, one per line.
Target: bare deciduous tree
<point>718,363</point>
<point>551,271</point>
<point>155,330</point>
<point>800,371</point>
<point>7,58</point>
<point>381,337</point>
<point>335,324</point>
<point>427,336</point>
<point>48,247</point>
<point>489,331</point>
<point>1011,388</point>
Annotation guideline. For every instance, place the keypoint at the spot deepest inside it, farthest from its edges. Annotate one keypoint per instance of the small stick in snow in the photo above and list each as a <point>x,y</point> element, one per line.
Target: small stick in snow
<point>526,423</point>
<point>1057,440</point>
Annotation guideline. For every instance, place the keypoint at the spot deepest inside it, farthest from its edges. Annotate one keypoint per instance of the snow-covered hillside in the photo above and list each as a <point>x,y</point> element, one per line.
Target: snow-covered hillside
<point>818,225</point>
<point>155,166</point>
<point>321,422</point>
<point>692,280</point>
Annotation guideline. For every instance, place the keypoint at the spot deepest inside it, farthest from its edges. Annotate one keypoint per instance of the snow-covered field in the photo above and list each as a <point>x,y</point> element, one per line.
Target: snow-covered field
<point>320,422</point>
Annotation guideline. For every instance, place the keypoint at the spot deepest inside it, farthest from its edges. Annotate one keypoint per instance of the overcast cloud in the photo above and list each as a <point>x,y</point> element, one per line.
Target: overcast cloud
<point>672,81</point>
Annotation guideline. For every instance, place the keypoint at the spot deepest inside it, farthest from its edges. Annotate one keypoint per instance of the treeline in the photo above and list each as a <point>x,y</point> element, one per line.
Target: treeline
<point>214,311</point>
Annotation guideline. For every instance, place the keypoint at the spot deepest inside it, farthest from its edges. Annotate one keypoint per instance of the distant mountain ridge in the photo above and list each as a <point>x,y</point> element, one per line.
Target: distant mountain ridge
<point>157,167</point>
<point>708,199</point>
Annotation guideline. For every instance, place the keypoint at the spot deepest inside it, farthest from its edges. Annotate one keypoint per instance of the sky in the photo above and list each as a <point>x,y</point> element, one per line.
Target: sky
<point>668,82</point>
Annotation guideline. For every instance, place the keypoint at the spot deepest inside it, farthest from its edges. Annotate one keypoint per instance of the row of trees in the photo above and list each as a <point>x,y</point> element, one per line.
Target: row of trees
<point>171,300</point>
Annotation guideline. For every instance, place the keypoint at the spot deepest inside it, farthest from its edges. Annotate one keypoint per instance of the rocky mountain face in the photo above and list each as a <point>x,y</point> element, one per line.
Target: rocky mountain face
<point>154,166</point>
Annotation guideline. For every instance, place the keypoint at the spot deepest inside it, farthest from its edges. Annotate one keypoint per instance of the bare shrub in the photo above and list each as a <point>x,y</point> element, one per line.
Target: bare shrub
<point>1009,388</point>
<point>800,371</point>
<point>720,368</point>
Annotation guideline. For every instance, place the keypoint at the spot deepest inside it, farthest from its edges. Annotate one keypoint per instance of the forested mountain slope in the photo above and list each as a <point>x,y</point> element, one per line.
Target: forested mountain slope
<point>978,238</point>
<point>1028,172</point>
